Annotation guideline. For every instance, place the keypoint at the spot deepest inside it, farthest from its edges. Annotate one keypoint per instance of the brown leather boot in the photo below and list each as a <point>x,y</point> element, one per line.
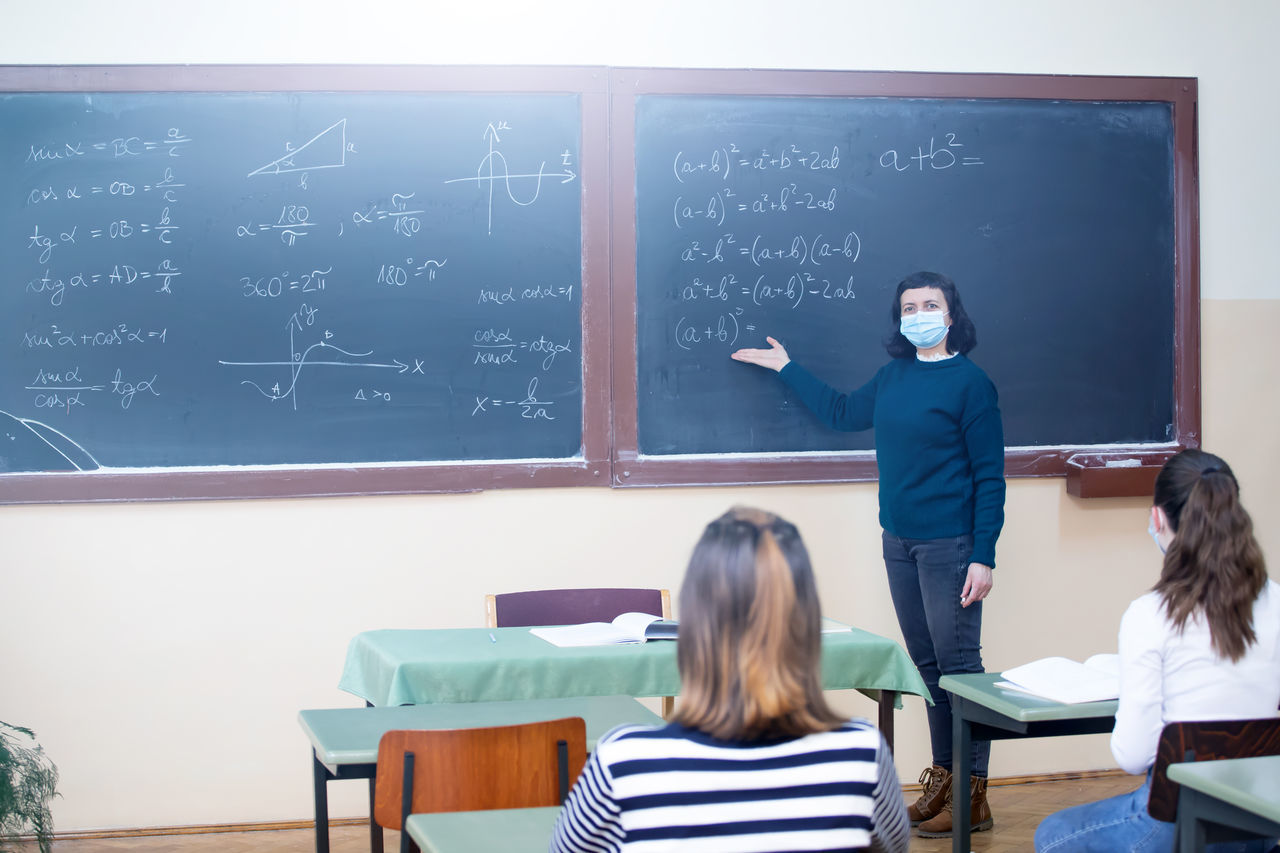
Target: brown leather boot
<point>936,784</point>
<point>939,826</point>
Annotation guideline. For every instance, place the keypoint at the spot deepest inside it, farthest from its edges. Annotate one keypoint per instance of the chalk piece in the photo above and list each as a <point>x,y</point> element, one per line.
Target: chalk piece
<point>1124,463</point>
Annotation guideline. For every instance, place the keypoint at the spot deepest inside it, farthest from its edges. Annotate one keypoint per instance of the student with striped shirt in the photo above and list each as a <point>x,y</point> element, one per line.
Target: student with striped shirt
<point>754,759</point>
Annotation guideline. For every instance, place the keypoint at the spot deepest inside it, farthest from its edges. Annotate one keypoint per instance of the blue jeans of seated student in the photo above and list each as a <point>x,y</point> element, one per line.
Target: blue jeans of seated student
<point>1119,825</point>
<point>943,638</point>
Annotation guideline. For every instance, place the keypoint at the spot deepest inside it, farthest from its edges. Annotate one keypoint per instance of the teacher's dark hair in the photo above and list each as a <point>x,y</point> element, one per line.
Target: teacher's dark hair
<point>1214,565</point>
<point>750,633</point>
<point>961,337</point>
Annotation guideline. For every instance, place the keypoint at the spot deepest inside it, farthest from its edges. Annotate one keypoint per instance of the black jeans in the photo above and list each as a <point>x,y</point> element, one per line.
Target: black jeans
<point>925,579</point>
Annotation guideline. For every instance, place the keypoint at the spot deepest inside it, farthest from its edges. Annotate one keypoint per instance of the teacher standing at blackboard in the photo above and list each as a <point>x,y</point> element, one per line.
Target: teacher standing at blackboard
<point>940,451</point>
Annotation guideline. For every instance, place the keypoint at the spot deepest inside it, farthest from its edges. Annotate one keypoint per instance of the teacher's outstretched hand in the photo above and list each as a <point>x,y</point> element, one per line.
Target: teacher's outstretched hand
<point>774,358</point>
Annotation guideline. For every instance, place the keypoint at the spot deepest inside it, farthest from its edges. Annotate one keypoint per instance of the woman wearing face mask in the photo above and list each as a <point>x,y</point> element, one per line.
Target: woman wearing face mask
<point>1204,644</point>
<point>940,451</point>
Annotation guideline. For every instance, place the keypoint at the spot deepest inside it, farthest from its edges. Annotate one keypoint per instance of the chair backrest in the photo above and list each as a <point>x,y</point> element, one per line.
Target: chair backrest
<point>1204,741</point>
<point>572,606</point>
<point>501,767</point>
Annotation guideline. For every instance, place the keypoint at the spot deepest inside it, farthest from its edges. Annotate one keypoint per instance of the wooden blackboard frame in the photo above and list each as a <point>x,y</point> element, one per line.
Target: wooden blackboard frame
<point>590,467</point>
<point>610,449</point>
<point>632,468</point>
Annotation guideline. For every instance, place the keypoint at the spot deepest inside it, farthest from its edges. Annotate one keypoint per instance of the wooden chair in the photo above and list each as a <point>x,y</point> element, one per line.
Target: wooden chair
<point>1205,741</point>
<point>571,606</point>
<point>574,606</point>
<point>503,767</point>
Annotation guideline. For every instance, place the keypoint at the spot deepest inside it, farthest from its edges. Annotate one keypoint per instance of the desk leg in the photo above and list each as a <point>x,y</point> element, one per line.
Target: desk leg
<point>961,761</point>
<point>375,831</point>
<point>1192,835</point>
<point>886,702</point>
<point>320,781</point>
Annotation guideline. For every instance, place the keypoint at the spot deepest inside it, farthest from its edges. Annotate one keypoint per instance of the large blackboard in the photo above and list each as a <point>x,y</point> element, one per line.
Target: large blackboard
<point>196,279</point>
<point>795,214</point>
<point>228,281</point>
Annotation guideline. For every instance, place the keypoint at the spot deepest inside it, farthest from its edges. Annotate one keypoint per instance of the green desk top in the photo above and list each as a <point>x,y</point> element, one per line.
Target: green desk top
<point>351,735</point>
<point>980,688</point>
<point>411,667</point>
<point>1252,784</point>
<point>494,831</point>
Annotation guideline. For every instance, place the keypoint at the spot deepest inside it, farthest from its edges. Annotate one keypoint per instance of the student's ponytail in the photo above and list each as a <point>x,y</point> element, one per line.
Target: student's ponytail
<point>1214,565</point>
<point>780,689</point>
<point>771,686</point>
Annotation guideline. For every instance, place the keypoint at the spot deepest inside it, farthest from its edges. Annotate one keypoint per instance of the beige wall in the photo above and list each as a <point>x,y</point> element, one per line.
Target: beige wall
<point>162,651</point>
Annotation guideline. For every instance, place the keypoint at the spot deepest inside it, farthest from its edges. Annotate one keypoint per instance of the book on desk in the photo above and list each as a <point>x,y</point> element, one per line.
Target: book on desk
<point>1067,681</point>
<point>625,628</point>
<point>631,628</point>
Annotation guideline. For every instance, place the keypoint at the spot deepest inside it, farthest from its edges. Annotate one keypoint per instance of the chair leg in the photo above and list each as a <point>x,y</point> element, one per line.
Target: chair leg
<point>406,805</point>
<point>375,831</point>
<point>562,765</point>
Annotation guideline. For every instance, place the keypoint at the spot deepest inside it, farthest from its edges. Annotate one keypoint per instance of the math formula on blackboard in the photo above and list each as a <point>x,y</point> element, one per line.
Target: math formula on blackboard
<point>261,279</point>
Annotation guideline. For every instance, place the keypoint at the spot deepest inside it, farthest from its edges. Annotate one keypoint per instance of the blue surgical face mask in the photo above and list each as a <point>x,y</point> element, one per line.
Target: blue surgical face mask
<point>925,328</point>
<point>1155,534</point>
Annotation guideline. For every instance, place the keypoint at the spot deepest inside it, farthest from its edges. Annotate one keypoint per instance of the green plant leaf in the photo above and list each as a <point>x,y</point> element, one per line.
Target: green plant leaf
<point>28,783</point>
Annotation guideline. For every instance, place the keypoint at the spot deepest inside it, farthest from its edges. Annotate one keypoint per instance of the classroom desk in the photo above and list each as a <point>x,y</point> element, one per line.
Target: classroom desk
<point>1241,794</point>
<point>344,741</point>
<point>495,831</point>
<point>982,711</point>
<point>404,667</point>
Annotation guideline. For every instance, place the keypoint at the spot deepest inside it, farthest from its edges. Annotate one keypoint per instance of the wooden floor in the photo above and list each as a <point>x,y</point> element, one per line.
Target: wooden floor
<point>1016,808</point>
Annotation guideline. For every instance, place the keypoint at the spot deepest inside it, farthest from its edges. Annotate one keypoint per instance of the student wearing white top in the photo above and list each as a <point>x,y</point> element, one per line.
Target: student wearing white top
<point>754,759</point>
<point>1204,644</point>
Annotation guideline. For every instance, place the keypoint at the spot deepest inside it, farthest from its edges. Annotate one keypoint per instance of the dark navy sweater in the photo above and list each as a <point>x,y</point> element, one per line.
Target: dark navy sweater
<point>939,445</point>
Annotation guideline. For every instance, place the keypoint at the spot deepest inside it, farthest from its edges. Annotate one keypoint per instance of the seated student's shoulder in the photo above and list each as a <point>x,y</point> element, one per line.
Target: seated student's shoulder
<point>858,724</point>
<point>629,737</point>
<point>1147,608</point>
<point>1269,597</point>
<point>624,731</point>
<point>859,731</point>
<point>1266,612</point>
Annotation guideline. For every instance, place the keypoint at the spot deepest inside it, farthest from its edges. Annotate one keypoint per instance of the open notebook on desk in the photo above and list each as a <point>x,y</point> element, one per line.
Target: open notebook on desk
<point>632,628</point>
<point>1067,681</point>
<point>625,628</point>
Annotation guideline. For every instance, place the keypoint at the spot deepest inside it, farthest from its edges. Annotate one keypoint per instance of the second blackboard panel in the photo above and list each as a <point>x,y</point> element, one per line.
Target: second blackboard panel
<point>797,215</point>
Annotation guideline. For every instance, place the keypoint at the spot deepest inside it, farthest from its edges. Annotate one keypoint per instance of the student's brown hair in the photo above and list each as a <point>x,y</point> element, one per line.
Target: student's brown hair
<point>1214,564</point>
<point>750,633</point>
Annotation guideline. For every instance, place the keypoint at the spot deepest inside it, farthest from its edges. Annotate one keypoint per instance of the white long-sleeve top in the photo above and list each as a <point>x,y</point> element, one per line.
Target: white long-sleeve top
<point>1167,676</point>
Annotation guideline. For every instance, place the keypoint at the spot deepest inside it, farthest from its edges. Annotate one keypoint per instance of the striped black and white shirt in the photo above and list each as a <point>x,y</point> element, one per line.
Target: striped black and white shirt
<point>674,788</point>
